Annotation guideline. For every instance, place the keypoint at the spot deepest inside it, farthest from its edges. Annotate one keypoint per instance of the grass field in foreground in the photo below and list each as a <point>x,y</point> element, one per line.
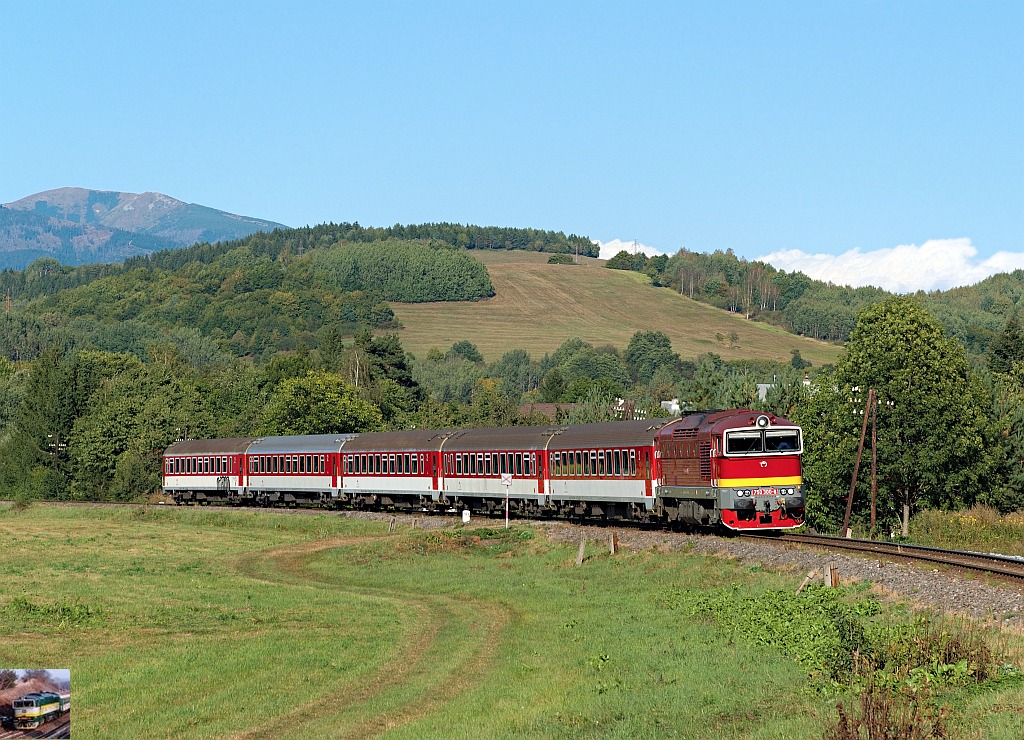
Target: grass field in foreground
<point>227,623</point>
<point>538,306</point>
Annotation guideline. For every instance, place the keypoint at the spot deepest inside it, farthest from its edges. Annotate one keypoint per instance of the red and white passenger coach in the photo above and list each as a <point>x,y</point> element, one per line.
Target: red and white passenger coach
<point>738,468</point>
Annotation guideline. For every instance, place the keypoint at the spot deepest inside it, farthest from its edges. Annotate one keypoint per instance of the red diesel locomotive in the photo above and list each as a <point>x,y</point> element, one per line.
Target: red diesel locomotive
<point>739,469</point>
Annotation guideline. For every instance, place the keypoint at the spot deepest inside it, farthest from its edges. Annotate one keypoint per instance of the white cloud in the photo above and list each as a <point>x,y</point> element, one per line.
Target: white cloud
<point>612,248</point>
<point>938,264</point>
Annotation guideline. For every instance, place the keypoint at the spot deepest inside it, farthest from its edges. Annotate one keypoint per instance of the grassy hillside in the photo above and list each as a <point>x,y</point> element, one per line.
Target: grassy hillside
<point>538,306</point>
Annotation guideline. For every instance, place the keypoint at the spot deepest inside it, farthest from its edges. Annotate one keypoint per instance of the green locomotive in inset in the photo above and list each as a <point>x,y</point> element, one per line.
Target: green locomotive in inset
<point>32,710</point>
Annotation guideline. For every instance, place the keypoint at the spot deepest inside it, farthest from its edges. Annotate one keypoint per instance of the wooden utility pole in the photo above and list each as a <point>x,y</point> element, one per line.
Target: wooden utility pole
<point>856,466</point>
<point>874,464</point>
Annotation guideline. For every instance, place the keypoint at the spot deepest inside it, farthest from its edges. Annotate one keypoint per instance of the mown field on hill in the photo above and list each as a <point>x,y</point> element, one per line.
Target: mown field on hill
<point>223,623</point>
<point>538,306</point>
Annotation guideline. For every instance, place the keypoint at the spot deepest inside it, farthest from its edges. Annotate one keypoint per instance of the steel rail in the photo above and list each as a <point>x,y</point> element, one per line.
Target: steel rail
<point>1005,565</point>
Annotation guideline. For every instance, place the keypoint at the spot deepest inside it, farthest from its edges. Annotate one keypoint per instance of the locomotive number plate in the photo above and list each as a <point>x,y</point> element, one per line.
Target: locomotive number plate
<point>765,491</point>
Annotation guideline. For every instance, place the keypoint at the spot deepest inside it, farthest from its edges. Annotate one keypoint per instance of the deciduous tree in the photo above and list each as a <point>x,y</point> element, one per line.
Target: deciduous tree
<point>931,417</point>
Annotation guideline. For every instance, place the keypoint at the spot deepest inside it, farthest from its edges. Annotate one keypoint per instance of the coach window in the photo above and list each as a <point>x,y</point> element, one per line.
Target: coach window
<point>519,463</point>
<point>600,462</point>
<point>647,464</point>
<point>301,468</point>
<point>216,465</point>
<point>472,464</point>
<point>458,465</point>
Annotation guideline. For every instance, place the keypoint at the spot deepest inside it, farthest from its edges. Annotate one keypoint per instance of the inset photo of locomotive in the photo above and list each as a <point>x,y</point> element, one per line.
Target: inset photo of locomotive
<point>35,702</point>
<point>736,470</point>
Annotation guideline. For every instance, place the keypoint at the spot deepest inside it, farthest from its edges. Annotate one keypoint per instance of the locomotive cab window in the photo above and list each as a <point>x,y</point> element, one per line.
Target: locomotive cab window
<point>782,440</point>
<point>743,443</point>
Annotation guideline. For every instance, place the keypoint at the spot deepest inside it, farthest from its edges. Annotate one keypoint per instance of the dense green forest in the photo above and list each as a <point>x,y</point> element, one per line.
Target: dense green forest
<point>973,314</point>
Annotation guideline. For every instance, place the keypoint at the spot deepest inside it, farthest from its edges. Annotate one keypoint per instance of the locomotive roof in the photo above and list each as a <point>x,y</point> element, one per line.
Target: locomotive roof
<point>299,443</point>
<point>716,422</point>
<point>233,446</point>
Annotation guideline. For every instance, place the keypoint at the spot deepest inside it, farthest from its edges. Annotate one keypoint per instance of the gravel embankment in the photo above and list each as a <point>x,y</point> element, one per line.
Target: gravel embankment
<point>918,586</point>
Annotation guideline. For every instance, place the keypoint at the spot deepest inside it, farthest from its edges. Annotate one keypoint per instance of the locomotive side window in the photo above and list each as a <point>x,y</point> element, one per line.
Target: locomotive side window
<point>744,442</point>
<point>782,440</point>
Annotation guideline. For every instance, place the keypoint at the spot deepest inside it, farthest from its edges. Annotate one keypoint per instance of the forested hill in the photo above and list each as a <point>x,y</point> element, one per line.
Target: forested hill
<point>267,292</point>
<point>254,297</point>
<point>797,303</point>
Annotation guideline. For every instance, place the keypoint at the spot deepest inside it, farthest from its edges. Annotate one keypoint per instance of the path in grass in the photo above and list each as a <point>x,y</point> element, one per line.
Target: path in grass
<point>445,649</point>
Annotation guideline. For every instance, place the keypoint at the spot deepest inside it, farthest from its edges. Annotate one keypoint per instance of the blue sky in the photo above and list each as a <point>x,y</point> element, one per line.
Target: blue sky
<point>853,137</point>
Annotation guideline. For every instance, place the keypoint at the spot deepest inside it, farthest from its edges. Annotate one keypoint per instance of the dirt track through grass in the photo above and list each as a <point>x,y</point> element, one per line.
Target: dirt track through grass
<point>445,647</point>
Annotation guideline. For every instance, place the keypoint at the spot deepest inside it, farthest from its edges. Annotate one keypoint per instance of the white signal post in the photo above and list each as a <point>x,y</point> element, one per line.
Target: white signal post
<point>506,480</point>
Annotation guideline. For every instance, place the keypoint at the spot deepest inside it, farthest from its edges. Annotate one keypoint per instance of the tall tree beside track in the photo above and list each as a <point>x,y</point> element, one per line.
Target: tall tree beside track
<point>320,403</point>
<point>931,418</point>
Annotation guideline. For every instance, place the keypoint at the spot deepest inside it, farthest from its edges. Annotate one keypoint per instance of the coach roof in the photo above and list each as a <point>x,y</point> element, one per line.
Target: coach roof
<point>300,443</point>
<point>234,446</point>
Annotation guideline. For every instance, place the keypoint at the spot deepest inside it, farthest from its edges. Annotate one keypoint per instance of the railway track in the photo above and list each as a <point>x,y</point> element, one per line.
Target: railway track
<point>989,563</point>
<point>55,728</point>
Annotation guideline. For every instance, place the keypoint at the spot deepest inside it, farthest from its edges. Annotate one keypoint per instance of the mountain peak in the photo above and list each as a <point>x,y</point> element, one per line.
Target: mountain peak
<point>78,225</point>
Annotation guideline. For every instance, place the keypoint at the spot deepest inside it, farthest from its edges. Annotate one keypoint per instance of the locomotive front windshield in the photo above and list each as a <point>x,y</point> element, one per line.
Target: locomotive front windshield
<point>757,441</point>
